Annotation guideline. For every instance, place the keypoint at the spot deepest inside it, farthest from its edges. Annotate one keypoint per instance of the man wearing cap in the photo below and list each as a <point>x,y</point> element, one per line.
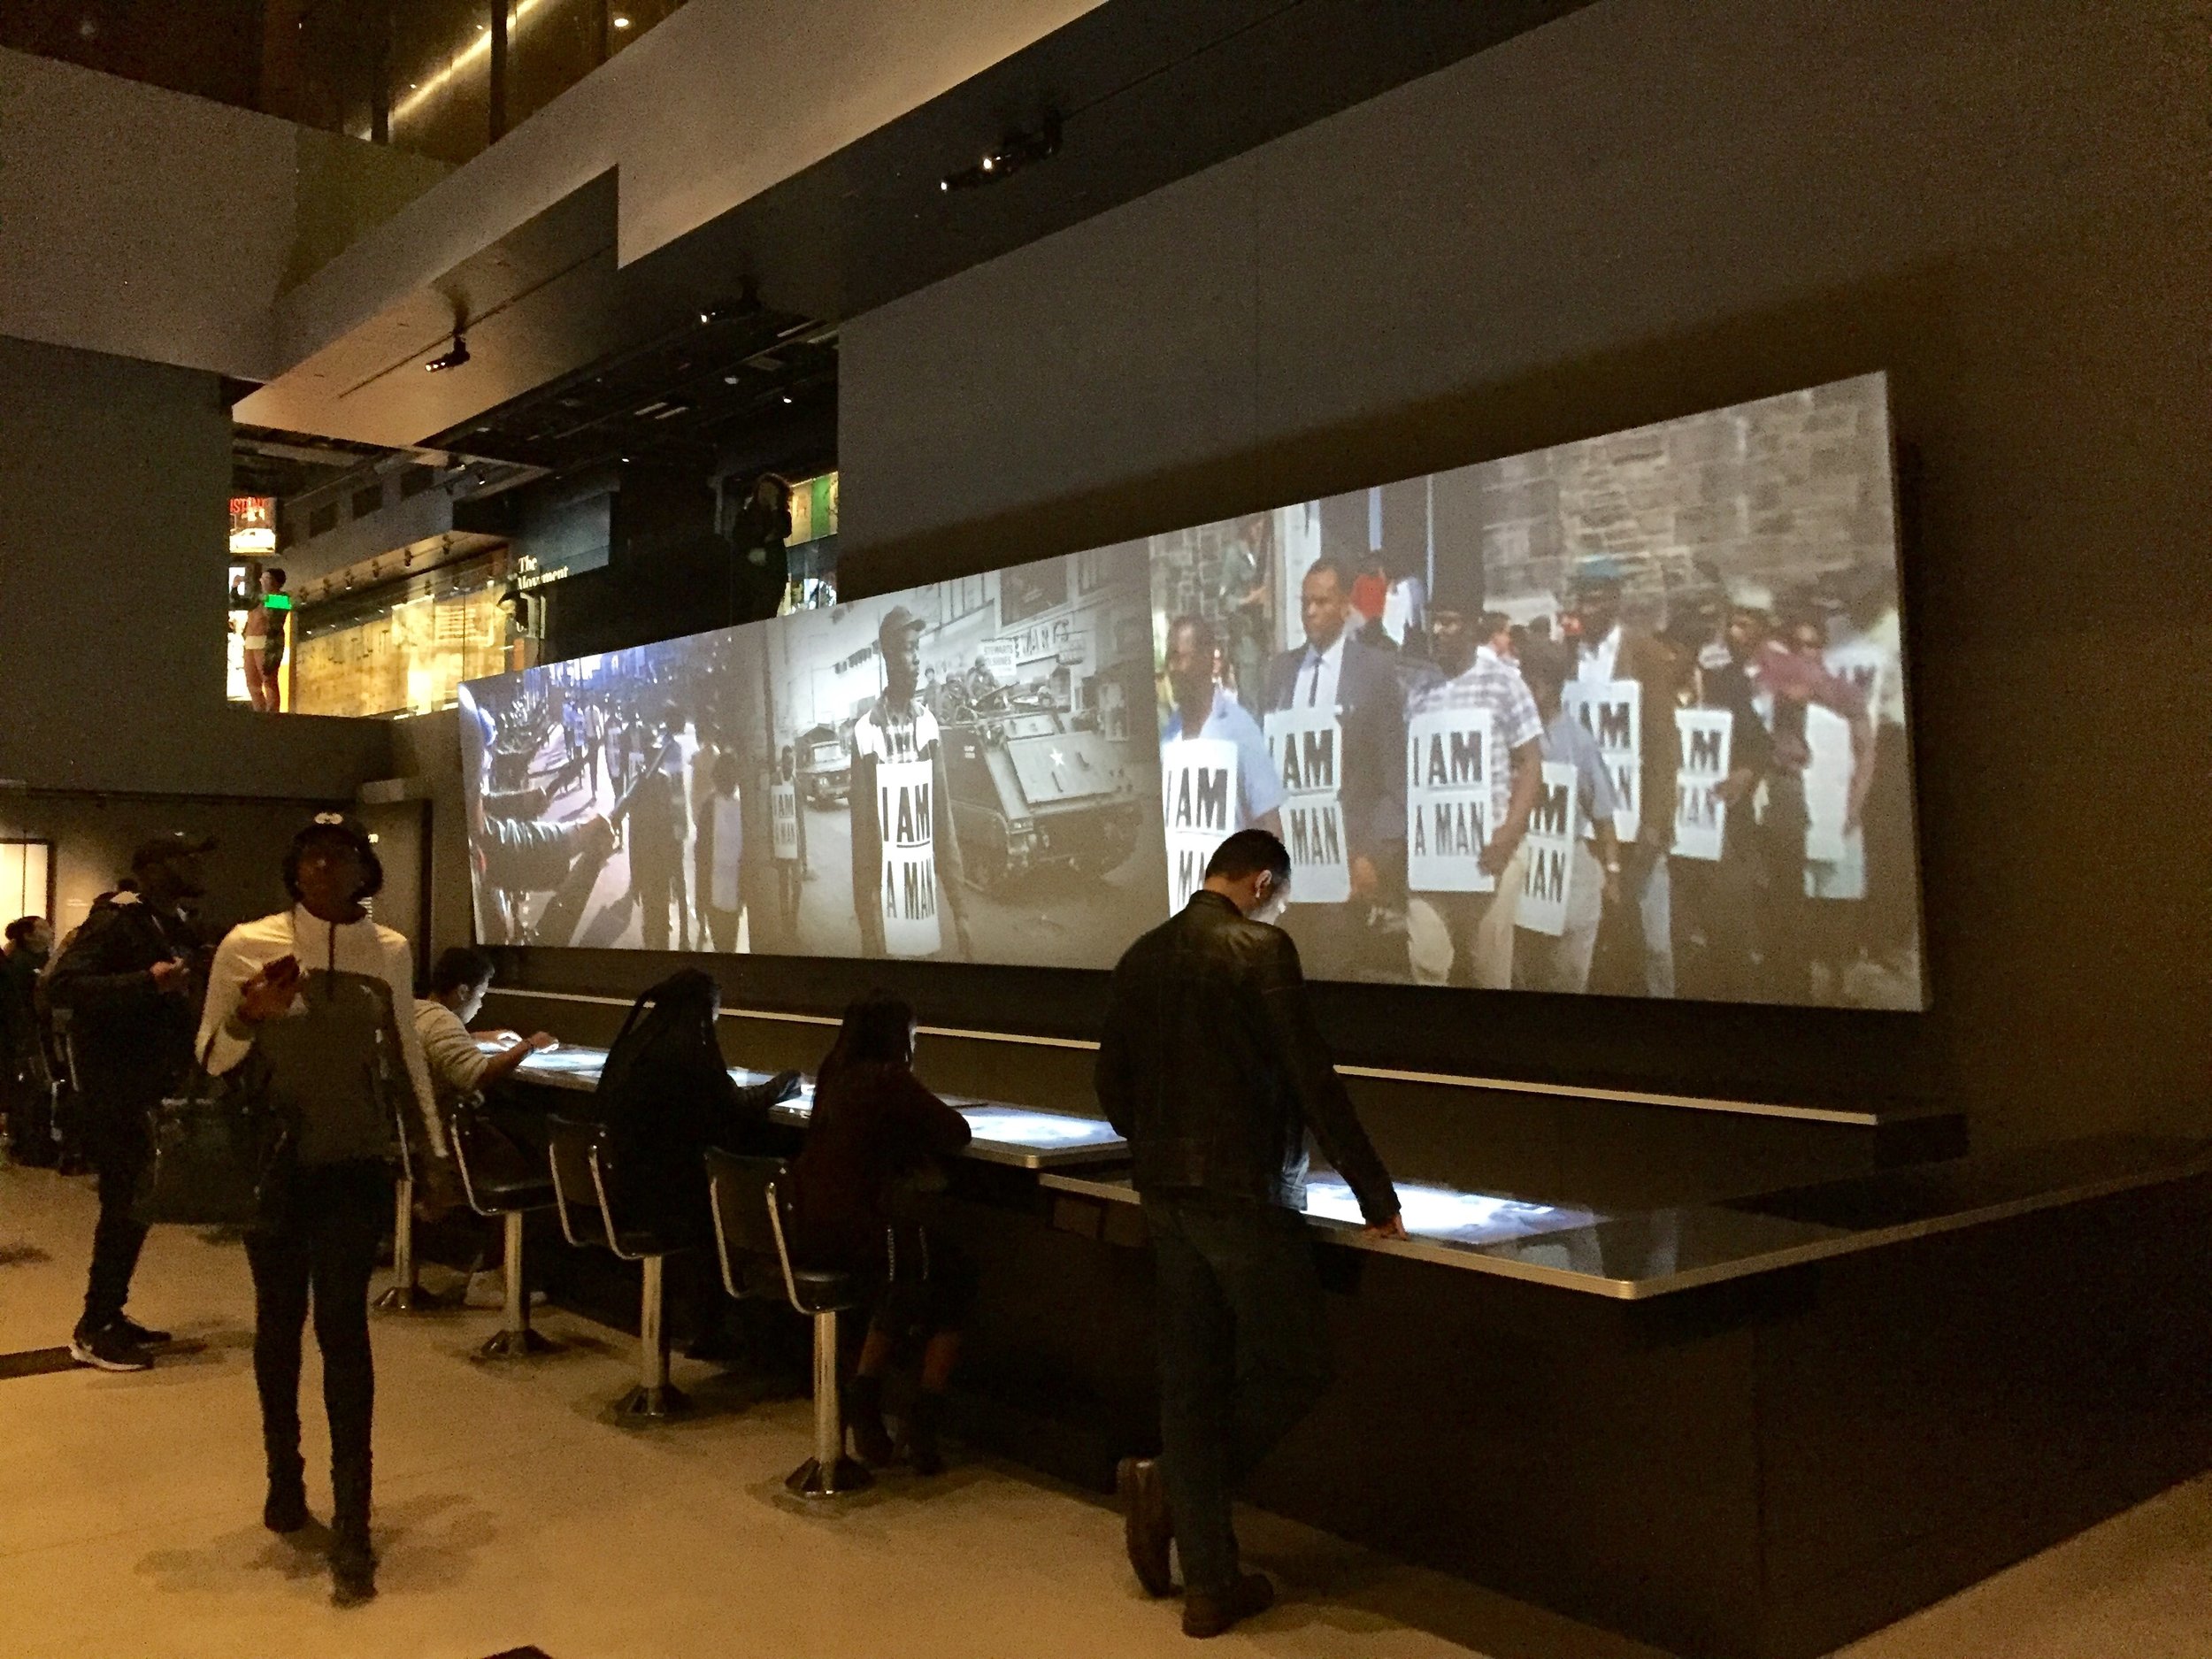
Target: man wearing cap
<point>131,980</point>
<point>1478,678</point>
<point>907,869</point>
<point>1607,650</point>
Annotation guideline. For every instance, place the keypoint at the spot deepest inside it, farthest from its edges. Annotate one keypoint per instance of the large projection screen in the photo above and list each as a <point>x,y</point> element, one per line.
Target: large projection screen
<point>1622,717</point>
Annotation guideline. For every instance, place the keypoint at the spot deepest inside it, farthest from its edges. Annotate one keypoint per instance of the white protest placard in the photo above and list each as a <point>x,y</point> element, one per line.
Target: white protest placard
<point>783,813</point>
<point>1547,852</point>
<point>1700,816</point>
<point>1198,806</point>
<point>1612,711</point>
<point>1862,663</point>
<point>1827,782</point>
<point>1449,753</point>
<point>905,820</point>
<point>1307,749</point>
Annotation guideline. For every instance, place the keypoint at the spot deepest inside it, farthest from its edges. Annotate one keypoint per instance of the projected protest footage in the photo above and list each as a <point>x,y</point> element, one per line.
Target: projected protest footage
<point>1626,715</point>
<point>958,772</point>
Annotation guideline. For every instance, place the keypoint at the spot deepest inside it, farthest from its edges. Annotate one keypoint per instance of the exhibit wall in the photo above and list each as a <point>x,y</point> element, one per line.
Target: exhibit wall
<point>117,474</point>
<point>1637,212</point>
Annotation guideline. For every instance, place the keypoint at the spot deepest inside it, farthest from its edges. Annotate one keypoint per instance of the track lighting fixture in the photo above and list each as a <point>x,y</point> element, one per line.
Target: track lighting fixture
<point>1013,152</point>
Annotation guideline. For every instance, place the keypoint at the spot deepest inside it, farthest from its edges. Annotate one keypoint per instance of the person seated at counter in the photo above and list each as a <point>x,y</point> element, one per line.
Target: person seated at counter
<point>459,1068</point>
<point>872,1140</point>
<point>459,1065</point>
<point>665,1095</point>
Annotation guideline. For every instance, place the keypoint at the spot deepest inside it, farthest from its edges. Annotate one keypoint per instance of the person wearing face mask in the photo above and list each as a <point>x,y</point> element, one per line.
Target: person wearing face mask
<point>322,997</point>
<point>129,980</point>
<point>1212,1065</point>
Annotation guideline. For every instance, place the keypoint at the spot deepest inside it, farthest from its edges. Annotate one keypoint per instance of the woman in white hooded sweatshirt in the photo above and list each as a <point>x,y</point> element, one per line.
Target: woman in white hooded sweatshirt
<point>321,997</point>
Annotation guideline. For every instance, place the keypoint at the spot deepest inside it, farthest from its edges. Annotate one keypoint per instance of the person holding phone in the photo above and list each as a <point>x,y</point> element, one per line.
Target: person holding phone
<point>129,978</point>
<point>322,997</point>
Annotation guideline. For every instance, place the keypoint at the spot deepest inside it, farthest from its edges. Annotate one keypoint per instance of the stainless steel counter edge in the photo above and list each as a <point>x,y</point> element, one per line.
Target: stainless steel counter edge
<point>1444,1080</point>
<point>1476,1258</point>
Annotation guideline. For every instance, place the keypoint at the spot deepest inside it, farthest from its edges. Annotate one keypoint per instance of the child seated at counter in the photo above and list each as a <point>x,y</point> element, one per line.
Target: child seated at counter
<point>874,1140</point>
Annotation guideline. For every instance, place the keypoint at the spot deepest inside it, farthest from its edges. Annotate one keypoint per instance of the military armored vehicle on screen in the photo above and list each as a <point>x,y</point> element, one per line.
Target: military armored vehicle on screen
<point>1034,787</point>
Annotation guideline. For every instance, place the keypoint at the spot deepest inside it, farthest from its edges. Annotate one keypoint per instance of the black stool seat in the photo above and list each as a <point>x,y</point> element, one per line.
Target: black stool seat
<point>504,1192</point>
<point>825,1289</point>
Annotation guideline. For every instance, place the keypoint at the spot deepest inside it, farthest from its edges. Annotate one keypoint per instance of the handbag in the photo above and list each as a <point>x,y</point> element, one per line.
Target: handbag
<point>221,1149</point>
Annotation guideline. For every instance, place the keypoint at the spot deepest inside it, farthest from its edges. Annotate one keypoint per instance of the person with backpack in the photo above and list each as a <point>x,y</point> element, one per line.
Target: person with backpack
<point>321,1000</point>
<point>129,980</point>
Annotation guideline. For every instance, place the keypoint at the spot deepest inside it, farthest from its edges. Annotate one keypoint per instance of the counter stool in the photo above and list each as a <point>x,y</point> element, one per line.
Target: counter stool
<point>751,1206</point>
<point>405,1294</point>
<point>578,1153</point>
<point>498,1183</point>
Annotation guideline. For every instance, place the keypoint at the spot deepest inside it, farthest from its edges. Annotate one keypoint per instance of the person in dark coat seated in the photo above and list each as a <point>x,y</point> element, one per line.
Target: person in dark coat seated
<point>665,1097</point>
<point>874,1138</point>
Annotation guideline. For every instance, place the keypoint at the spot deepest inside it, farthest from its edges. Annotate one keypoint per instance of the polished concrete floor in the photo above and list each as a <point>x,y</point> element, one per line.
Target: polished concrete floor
<point>512,1515</point>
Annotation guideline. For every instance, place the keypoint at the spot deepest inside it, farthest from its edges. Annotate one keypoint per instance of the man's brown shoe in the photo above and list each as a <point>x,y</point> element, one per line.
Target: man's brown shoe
<point>1147,1527</point>
<point>1212,1612</point>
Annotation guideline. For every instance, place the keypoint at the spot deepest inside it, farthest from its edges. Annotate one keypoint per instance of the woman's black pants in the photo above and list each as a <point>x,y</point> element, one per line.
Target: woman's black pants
<point>322,1245</point>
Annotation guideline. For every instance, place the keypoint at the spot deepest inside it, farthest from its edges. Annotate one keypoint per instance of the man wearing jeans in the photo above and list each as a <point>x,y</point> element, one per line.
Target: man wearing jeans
<point>1213,1068</point>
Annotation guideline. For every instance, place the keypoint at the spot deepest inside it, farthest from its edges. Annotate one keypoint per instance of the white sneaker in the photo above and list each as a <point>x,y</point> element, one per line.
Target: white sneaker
<point>487,1290</point>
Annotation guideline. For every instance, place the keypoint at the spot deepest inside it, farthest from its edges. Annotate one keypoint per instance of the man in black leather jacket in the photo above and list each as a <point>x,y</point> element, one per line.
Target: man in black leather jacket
<point>132,980</point>
<point>1213,1068</point>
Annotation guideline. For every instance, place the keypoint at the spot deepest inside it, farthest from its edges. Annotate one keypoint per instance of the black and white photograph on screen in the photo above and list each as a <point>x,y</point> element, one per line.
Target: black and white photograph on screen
<point>1626,715</point>
<point>955,772</point>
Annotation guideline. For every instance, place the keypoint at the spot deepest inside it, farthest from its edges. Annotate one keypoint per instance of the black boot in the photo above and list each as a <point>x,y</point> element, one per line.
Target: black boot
<point>352,1567</point>
<point>352,1563</point>
<point>863,1413</point>
<point>285,1510</point>
<point>922,1419</point>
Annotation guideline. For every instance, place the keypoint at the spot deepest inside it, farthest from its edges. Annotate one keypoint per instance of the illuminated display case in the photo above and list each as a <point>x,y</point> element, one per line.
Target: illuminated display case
<point>404,651</point>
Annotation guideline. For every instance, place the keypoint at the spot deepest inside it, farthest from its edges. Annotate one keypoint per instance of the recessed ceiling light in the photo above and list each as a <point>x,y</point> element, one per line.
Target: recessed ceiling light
<point>619,21</point>
<point>787,397</point>
<point>729,380</point>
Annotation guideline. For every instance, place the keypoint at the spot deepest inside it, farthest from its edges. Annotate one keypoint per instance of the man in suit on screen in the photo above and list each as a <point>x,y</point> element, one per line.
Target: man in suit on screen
<point>1333,672</point>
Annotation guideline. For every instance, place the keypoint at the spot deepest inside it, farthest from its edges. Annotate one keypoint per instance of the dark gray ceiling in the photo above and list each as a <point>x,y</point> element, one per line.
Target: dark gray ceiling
<point>1148,91</point>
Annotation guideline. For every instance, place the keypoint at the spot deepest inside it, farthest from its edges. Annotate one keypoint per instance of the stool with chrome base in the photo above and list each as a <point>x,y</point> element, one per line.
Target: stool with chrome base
<point>578,1152</point>
<point>406,1295</point>
<point>752,1218</point>
<point>500,1184</point>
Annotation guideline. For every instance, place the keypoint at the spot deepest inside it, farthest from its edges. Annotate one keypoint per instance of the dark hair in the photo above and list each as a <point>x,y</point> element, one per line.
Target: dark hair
<point>22,927</point>
<point>331,827</point>
<point>879,1030</point>
<point>1249,852</point>
<point>1336,566</point>
<point>1490,624</point>
<point>727,771</point>
<point>1207,637</point>
<point>458,968</point>
<point>1544,666</point>
<point>274,575</point>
